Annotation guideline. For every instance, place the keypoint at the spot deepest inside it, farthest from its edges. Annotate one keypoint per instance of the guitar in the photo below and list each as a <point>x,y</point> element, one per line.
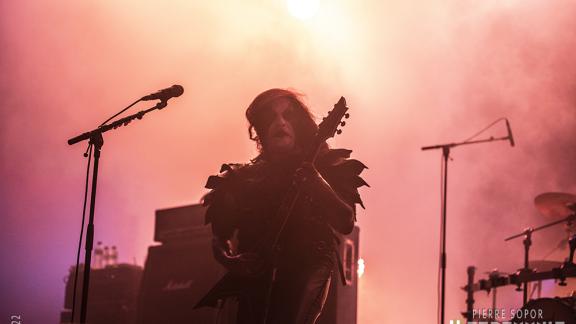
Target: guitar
<point>233,284</point>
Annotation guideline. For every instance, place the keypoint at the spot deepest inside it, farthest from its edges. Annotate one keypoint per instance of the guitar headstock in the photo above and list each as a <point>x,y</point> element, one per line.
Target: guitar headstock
<point>329,125</point>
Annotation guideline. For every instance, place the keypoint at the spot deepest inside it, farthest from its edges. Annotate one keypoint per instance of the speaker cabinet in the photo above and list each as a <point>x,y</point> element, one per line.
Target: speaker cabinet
<point>176,276</point>
<point>180,272</point>
<point>112,296</point>
<point>341,304</point>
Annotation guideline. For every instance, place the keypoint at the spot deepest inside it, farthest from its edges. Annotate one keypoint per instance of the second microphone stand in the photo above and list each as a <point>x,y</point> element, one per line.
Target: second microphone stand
<point>445,156</point>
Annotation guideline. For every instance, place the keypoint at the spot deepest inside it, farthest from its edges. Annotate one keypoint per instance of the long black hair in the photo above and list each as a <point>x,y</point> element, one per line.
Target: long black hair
<point>305,127</point>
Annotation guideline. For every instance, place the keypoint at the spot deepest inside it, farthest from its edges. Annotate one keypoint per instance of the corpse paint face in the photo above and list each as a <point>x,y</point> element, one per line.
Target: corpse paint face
<point>280,136</point>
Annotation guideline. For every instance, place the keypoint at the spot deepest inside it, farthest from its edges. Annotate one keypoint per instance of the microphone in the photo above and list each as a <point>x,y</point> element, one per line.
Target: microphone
<point>510,137</point>
<point>165,94</point>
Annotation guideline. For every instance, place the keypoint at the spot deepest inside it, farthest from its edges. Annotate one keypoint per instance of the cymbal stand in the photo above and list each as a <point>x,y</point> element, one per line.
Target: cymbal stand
<point>527,243</point>
<point>572,244</point>
<point>469,313</point>
<point>527,234</point>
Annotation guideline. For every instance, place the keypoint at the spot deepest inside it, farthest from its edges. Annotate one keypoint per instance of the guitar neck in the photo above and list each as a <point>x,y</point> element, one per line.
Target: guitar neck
<point>290,198</point>
<point>326,129</point>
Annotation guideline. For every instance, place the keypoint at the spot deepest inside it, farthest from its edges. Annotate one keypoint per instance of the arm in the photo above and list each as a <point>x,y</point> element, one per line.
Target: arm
<point>339,214</point>
<point>246,264</point>
<point>221,250</point>
<point>222,214</point>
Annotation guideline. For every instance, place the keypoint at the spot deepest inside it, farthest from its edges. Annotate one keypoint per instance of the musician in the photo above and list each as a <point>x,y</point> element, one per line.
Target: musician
<point>245,199</point>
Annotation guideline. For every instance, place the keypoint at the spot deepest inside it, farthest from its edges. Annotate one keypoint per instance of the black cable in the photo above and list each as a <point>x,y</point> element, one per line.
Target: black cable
<point>81,231</point>
<point>123,110</point>
<point>484,129</point>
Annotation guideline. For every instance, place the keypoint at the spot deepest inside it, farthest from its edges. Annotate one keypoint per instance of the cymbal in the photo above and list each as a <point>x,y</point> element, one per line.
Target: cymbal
<point>553,204</point>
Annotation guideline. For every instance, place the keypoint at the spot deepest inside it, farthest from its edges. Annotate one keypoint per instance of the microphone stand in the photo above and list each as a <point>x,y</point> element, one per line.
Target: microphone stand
<point>445,156</point>
<point>95,138</point>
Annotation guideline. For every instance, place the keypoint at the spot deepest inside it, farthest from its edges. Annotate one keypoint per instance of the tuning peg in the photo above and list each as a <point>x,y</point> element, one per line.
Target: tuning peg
<point>346,115</point>
<point>343,123</point>
<point>339,131</point>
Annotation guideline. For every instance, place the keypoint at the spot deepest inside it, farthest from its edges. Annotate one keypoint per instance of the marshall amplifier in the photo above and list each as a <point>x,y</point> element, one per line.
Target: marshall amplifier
<point>178,223</point>
<point>176,276</point>
<point>180,272</point>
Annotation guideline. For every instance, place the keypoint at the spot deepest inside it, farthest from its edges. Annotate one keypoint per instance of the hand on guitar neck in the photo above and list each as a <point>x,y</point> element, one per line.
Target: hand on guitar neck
<point>243,264</point>
<point>337,213</point>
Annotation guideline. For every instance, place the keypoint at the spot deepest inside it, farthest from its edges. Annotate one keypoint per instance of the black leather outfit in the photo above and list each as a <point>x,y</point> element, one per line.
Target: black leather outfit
<point>244,198</point>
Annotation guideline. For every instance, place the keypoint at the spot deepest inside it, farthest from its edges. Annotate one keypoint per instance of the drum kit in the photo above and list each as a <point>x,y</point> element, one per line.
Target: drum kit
<point>557,309</point>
